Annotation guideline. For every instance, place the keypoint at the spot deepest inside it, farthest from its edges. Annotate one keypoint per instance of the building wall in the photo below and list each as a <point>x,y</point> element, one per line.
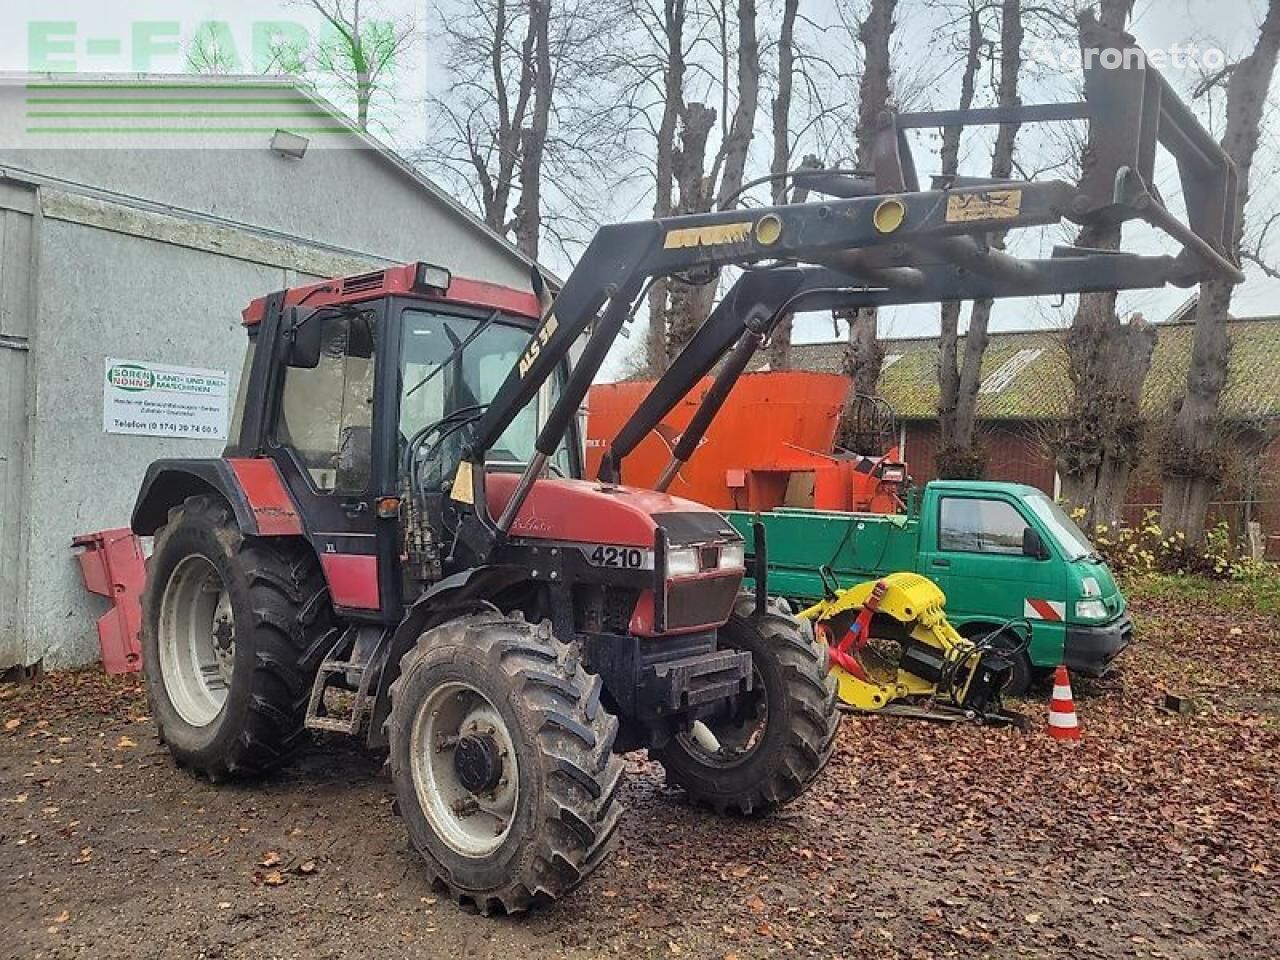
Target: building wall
<point>17,206</point>
<point>1016,452</point>
<point>150,255</point>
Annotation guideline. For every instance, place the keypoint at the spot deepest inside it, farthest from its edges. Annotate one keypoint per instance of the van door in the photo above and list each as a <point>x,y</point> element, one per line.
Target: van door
<point>977,558</point>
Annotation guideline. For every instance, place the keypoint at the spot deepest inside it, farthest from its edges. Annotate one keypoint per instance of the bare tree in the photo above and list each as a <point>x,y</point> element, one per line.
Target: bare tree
<point>864,354</point>
<point>1193,449</point>
<point>533,139</point>
<point>1108,362</point>
<point>959,455</point>
<point>517,127</point>
<point>213,52</point>
<point>950,372</point>
<point>690,303</point>
<point>672,53</point>
<point>360,52</point>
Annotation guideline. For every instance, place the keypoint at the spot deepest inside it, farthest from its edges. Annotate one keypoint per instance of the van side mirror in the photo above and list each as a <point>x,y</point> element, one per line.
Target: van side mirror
<point>306,335</point>
<point>1032,545</point>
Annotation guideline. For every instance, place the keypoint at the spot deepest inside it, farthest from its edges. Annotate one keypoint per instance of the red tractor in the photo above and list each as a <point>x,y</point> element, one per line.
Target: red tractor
<point>397,543</point>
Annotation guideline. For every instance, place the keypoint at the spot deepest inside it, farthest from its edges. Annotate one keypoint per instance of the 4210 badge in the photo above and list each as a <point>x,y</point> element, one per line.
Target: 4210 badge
<point>160,400</point>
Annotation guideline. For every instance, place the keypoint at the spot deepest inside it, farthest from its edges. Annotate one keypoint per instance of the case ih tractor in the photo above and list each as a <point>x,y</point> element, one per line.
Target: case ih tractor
<point>397,542</point>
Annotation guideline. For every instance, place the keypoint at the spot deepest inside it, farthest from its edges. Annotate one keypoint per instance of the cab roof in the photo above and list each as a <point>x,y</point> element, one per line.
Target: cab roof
<point>406,281</point>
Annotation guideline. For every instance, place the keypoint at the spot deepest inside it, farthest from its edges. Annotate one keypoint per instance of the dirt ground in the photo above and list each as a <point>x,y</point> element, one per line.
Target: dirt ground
<point>1156,837</point>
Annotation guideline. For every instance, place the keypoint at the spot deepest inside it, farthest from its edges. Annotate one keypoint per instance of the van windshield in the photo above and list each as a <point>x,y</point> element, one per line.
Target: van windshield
<point>1061,527</point>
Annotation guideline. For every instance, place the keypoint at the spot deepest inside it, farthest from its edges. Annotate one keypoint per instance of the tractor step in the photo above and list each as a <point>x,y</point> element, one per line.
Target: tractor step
<point>346,668</point>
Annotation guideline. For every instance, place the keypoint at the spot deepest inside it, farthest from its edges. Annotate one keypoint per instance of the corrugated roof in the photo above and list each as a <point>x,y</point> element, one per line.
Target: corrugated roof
<point>1039,388</point>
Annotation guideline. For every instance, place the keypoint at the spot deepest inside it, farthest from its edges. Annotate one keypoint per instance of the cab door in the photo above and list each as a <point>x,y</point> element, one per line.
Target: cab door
<point>327,445</point>
<point>978,560</point>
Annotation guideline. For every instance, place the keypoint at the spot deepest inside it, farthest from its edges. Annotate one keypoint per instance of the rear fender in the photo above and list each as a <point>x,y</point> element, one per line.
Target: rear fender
<point>463,592</point>
<point>253,488</point>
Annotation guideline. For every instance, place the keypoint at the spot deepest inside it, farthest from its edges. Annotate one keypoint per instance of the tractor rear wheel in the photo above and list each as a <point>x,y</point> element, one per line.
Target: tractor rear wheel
<point>502,758</point>
<point>225,621</point>
<point>782,735</point>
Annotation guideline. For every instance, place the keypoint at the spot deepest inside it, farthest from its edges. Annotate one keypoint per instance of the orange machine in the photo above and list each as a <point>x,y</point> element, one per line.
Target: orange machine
<point>771,446</point>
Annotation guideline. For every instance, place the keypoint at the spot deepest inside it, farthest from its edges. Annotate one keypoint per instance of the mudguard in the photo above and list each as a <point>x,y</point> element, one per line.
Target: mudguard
<point>456,594</point>
<point>252,487</point>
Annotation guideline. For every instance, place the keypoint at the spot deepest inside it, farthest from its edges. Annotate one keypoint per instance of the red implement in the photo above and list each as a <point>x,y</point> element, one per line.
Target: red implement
<point>114,567</point>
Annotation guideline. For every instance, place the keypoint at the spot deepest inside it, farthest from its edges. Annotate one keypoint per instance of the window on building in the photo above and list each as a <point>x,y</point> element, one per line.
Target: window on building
<point>326,413</point>
<point>973,525</point>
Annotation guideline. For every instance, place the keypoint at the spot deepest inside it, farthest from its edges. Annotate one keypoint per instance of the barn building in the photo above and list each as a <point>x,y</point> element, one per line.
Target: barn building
<point>138,217</point>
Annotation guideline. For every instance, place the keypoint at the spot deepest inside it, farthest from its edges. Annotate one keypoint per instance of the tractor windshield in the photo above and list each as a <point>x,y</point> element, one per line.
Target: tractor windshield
<point>450,368</point>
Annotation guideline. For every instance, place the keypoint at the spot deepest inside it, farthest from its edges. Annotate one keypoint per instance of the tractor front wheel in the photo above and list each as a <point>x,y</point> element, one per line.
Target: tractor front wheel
<point>225,621</point>
<point>775,743</point>
<point>502,758</point>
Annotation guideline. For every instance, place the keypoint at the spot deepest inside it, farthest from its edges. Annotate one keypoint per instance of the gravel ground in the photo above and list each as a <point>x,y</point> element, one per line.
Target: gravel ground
<point>1156,837</point>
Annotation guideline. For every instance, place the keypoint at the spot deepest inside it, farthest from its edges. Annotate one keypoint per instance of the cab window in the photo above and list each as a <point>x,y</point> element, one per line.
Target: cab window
<point>326,411</point>
<point>971,525</point>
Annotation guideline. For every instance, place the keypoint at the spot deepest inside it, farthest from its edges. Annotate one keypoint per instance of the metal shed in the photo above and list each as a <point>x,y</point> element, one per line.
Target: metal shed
<point>134,230</point>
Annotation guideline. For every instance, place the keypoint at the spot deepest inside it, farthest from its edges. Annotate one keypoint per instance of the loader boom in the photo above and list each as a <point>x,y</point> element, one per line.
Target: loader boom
<point>876,240</point>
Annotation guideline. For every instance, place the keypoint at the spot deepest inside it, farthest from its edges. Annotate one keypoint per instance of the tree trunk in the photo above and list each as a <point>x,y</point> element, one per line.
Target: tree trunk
<point>664,169</point>
<point>949,456</point>
<point>528,215</point>
<point>779,350</point>
<point>1097,443</point>
<point>1194,448</point>
<point>864,354</point>
<point>691,304</point>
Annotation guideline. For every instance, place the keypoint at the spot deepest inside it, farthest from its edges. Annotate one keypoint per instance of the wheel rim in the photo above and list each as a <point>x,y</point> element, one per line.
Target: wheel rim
<point>197,641</point>
<point>737,735</point>
<point>463,762</point>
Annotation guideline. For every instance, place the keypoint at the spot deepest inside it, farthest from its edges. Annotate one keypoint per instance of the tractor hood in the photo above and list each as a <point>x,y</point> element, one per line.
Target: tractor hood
<point>585,511</point>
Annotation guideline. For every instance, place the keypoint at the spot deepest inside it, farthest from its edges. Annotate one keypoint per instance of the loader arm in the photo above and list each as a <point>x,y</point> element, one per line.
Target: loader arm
<point>873,242</point>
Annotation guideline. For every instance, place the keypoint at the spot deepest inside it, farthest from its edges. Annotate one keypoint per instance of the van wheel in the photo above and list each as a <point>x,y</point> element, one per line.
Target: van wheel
<point>1022,676</point>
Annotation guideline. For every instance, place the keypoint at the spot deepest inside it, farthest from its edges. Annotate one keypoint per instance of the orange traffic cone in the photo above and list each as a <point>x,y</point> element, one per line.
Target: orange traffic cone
<point>1063,724</point>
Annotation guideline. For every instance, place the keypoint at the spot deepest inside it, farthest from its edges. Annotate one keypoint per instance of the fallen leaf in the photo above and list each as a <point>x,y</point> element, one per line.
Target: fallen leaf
<point>12,724</point>
<point>609,893</point>
<point>63,917</point>
<point>755,904</point>
<point>274,878</point>
<point>307,866</point>
<point>270,859</point>
<point>741,872</point>
<point>1033,918</point>
<point>126,743</point>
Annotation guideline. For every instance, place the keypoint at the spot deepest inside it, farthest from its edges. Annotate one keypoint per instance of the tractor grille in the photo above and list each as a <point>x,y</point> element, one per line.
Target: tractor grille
<point>701,601</point>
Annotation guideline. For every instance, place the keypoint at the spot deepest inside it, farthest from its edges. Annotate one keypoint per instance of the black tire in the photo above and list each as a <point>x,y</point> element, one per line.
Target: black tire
<point>801,722</point>
<point>278,603</point>
<point>566,812</point>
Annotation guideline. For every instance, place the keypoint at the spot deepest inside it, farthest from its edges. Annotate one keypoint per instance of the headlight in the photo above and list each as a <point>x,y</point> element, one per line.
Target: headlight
<point>733,556</point>
<point>682,562</point>
<point>1091,610</point>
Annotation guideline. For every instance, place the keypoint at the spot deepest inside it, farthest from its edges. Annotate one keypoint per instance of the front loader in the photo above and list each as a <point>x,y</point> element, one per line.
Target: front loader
<point>397,544</point>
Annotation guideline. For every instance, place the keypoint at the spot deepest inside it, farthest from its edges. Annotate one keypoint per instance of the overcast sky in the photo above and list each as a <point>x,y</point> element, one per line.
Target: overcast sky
<point>1230,25</point>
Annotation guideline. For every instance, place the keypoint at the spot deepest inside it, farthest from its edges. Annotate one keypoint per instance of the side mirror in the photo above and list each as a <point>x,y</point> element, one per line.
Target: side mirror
<point>306,337</point>
<point>1032,545</point>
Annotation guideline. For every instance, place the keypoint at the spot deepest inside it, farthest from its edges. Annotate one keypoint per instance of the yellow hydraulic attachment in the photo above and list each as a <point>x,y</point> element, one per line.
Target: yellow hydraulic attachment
<point>890,643</point>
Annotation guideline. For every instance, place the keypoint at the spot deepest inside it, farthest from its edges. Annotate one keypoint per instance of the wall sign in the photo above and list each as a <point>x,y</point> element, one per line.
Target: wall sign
<point>159,400</point>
